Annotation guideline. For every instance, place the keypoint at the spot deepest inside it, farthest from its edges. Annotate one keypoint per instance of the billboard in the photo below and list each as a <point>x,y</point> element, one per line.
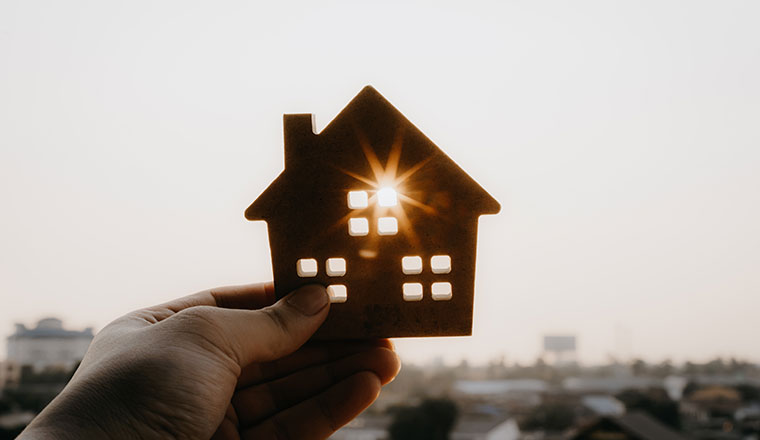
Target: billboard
<point>559,343</point>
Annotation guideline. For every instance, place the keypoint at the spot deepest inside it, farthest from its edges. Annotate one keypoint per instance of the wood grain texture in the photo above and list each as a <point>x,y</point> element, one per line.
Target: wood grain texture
<point>368,146</point>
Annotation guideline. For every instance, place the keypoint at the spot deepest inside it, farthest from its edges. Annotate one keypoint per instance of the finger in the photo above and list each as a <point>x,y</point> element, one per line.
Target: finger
<point>261,401</point>
<point>312,353</point>
<point>247,296</point>
<point>257,335</point>
<point>226,431</point>
<point>323,414</point>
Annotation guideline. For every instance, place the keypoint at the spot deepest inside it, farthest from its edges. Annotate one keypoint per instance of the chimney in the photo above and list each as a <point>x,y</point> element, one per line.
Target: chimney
<point>299,137</point>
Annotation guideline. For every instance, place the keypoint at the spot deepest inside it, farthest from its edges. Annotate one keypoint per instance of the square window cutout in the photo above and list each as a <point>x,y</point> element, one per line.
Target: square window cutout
<point>441,291</point>
<point>306,267</point>
<point>338,293</point>
<point>357,199</point>
<point>411,265</point>
<point>358,226</point>
<point>387,226</point>
<point>412,291</point>
<point>336,267</point>
<point>440,264</point>
<point>387,197</point>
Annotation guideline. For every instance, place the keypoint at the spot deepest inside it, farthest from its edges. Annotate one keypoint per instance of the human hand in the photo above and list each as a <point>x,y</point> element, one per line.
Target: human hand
<point>222,364</point>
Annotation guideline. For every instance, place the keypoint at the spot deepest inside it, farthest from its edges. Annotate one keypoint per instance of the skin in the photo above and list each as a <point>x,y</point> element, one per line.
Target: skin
<point>224,363</point>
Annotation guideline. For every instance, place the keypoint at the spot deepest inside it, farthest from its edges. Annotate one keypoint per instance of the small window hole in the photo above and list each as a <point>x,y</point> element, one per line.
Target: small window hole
<point>335,267</point>
<point>386,196</point>
<point>411,265</point>
<point>440,264</point>
<point>412,291</point>
<point>338,293</point>
<point>357,199</point>
<point>441,291</point>
<point>306,267</point>
<point>387,226</point>
<point>358,226</point>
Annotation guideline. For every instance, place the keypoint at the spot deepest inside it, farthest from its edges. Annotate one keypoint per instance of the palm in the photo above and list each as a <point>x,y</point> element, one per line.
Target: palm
<point>219,364</point>
<point>308,394</point>
<point>195,377</point>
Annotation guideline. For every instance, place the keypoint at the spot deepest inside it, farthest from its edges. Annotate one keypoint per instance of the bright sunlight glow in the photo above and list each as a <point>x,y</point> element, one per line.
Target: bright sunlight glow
<point>386,196</point>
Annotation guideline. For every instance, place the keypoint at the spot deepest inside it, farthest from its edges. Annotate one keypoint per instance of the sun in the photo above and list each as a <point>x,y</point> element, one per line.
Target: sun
<point>387,196</point>
<point>390,194</point>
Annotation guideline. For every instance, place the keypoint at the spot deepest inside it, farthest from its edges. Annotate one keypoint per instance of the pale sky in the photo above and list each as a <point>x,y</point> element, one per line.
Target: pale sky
<point>621,138</point>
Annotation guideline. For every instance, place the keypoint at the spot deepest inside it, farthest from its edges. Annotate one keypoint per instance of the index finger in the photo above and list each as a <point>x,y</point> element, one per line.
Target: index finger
<point>247,296</point>
<point>310,354</point>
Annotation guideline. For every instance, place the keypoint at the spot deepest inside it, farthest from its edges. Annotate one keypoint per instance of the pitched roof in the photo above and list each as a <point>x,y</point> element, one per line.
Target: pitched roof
<point>51,328</point>
<point>647,427</point>
<point>369,116</point>
<point>638,425</point>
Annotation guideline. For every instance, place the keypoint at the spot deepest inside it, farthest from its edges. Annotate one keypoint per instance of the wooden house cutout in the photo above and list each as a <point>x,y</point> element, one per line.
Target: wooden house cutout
<point>374,210</point>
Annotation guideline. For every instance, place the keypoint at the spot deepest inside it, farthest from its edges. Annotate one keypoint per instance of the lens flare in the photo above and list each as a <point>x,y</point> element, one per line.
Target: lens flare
<point>386,196</point>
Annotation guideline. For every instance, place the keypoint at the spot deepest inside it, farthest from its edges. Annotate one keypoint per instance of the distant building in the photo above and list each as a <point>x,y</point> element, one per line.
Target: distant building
<point>711,402</point>
<point>500,386</point>
<point>560,349</point>
<point>10,374</point>
<point>632,426</point>
<point>674,386</point>
<point>364,427</point>
<point>522,391</point>
<point>483,423</point>
<point>603,405</point>
<point>608,385</point>
<point>47,346</point>
<point>16,420</point>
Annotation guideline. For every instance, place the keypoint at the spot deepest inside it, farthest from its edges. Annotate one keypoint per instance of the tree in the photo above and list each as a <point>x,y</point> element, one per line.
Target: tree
<point>433,419</point>
<point>555,417</point>
<point>663,369</point>
<point>749,393</point>
<point>5,405</point>
<point>654,402</point>
<point>10,433</point>
<point>690,387</point>
<point>639,367</point>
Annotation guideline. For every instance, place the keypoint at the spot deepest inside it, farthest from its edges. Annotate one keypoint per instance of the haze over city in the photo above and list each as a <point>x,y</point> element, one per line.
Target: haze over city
<point>620,139</point>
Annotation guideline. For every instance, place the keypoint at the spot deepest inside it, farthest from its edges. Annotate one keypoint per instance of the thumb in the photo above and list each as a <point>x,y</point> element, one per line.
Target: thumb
<point>265,334</point>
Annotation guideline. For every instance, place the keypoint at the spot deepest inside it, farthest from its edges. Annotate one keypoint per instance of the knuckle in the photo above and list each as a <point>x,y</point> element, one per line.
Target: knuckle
<point>325,410</point>
<point>197,316</point>
<point>200,325</point>
<point>271,346</point>
<point>280,429</point>
<point>277,318</point>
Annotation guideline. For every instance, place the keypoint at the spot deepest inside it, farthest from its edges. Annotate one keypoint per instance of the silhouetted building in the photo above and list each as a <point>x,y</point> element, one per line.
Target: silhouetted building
<point>603,405</point>
<point>631,426</point>
<point>10,374</point>
<point>608,385</point>
<point>560,349</point>
<point>524,391</point>
<point>47,346</point>
<point>477,425</point>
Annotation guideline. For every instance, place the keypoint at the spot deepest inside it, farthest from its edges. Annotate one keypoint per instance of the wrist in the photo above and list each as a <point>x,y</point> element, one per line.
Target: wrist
<point>78,412</point>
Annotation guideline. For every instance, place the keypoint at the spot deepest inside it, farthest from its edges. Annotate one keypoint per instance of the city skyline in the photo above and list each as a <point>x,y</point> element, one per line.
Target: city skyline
<point>620,139</point>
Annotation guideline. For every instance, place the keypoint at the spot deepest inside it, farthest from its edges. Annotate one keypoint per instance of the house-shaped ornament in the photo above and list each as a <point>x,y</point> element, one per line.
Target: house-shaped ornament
<point>374,210</point>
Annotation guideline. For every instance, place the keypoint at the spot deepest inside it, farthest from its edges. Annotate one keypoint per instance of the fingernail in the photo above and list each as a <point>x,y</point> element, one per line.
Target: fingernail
<point>309,299</point>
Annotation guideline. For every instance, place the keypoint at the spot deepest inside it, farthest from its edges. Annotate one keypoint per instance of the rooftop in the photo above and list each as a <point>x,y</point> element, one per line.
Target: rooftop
<point>49,328</point>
